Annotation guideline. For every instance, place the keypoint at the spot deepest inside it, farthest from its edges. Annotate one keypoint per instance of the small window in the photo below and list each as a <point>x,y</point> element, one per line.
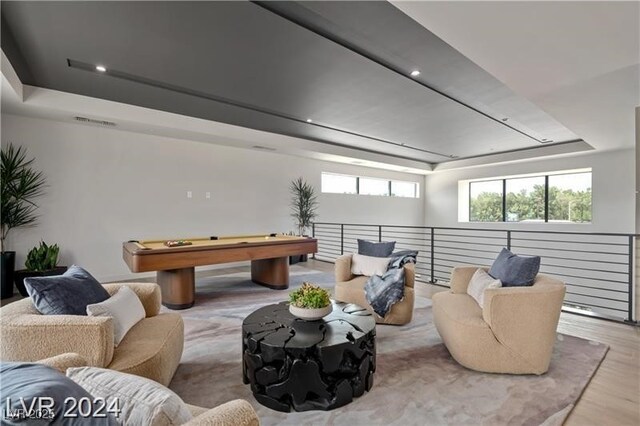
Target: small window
<point>525,199</point>
<point>485,201</point>
<point>404,189</point>
<point>368,186</point>
<point>570,198</point>
<point>339,184</point>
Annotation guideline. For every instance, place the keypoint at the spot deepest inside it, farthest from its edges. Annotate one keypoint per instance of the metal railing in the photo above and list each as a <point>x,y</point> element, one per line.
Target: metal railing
<point>598,268</point>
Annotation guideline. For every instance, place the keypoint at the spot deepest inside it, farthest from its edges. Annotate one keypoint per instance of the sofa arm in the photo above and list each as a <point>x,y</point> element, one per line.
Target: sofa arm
<point>409,274</point>
<point>460,277</point>
<point>64,361</point>
<point>525,320</point>
<point>32,337</point>
<point>343,268</point>
<point>233,413</point>
<point>149,294</point>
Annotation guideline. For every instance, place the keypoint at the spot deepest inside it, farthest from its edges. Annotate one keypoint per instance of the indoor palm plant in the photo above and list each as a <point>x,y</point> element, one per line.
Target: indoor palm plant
<point>310,302</point>
<point>303,209</point>
<point>42,261</point>
<point>20,185</point>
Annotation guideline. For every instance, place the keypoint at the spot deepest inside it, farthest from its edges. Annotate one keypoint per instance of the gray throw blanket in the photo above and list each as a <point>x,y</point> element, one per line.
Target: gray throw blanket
<point>383,292</point>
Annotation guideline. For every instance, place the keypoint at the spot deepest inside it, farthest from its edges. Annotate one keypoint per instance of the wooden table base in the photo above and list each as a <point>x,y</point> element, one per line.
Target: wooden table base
<point>178,287</point>
<point>272,273</point>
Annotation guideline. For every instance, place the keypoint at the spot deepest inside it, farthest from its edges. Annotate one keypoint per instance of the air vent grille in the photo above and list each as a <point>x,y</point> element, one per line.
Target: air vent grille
<point>93,121</point>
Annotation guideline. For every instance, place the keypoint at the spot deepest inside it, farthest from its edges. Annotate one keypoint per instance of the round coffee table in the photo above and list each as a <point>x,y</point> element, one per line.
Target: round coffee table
<point>308,365</point>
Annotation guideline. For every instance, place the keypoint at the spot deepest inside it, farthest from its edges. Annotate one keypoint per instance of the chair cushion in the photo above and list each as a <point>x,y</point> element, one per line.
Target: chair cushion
<point>369,265</point>
<point>369,248</point>
<point>513,270</point>
<point>480,281</point>
<point>22,383</point>
<point>124,307</point>
<point>66,294</point>
<point>141,401</point>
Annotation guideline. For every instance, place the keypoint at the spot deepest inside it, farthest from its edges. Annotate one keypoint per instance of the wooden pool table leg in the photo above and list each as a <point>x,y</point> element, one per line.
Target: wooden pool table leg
<point>272,273</point>
<point>178,287</point>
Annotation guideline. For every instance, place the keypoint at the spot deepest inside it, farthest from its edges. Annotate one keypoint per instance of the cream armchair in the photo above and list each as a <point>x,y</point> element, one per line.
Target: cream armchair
<point>350,289</point>
<point>514,332</point>
<point>233,413</point>
<point>152,348</point>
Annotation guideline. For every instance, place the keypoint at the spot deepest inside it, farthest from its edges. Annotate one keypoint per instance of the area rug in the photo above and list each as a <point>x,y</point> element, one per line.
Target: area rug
<point>416,381</point>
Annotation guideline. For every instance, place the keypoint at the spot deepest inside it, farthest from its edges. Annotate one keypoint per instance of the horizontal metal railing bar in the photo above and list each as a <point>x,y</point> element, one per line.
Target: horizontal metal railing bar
<point>585,278</point>
<point>436,241</point>
<point>405,238</point>
<point>445,259</point>
<point>398,231</point>
<point>466,249</point>
<point>590,260</point>
<point>624,302</point>
<point>489,230</point>
<point>585,269</point>
<point>485,237</point>
<point>515,238</point>
<point>323,244</point>
<point>454,262</point>
<point>465,256</point>
<point>596,288</point>
<point>575,251</point>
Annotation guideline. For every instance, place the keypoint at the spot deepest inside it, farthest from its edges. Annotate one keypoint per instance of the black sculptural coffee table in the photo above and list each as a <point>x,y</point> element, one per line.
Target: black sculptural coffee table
<point>308,365</point>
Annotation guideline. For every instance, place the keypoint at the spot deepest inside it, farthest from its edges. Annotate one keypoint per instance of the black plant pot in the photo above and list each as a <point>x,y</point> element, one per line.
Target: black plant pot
<point>6,280</point>
<point>20,275</point>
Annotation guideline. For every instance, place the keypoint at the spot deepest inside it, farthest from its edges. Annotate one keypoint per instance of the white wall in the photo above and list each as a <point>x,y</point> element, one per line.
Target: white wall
<point>613,179</point>
<point>108,186</point>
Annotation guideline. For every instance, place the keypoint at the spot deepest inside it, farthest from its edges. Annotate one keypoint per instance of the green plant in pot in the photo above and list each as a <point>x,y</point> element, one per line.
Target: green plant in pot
<point>20,185</point>
<point>42,260</point>
<point>310,302</point>
<point>304,204</point>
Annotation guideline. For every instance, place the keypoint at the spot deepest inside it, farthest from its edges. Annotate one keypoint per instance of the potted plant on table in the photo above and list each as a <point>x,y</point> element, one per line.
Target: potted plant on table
<point>310,302</point>
<point>303,210</point>
<point>20,184</point>
<point>41,261</point>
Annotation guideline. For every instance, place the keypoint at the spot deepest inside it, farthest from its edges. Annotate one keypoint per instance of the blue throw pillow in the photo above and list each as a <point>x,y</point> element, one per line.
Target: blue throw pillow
<point>52,394</point>
<point>66,294</point>
<point>514,270</point>
<point>368,248</point>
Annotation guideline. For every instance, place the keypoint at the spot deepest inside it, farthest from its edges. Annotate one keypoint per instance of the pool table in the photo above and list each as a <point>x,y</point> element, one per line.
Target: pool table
<point>175,265</point>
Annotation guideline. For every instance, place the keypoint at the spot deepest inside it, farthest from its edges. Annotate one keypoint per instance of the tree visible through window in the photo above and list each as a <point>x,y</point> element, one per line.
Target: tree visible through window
<point>525,199</point>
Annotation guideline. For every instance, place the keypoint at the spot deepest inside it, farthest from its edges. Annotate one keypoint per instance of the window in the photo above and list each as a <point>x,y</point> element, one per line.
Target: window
<point>345,184</point>
<point>485,201</point>
<point>339,184</point>
<point>570,198</point>
<point>525,199</point>
<point>558,197</point>
<point>404,189</point>
<point>368,186</point>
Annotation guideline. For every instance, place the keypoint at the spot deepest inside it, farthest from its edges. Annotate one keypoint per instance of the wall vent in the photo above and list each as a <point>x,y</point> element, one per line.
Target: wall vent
<point>92,121</point>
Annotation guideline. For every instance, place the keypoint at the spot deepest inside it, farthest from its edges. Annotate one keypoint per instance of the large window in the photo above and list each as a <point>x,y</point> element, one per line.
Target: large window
<point>558,197</point>
<point>345,184</point>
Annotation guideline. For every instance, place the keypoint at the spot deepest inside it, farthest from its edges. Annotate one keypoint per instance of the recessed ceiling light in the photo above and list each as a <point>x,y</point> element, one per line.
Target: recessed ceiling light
<point>415,73</point>
<point>309,120</point>
<point>100,68</point>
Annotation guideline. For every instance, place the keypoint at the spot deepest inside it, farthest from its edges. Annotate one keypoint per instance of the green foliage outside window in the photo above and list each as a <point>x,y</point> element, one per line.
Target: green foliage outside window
<point>564,205</point>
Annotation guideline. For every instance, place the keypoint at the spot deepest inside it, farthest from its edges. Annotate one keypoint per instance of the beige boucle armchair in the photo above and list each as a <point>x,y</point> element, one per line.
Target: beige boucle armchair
<point>514,332</point>
<point>350,289</point>
<point>151,349</point>
<point>233,413</point>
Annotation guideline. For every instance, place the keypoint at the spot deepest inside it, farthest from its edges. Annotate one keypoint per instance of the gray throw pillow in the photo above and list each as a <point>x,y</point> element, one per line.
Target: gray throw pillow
<point>22,383</point>
<point>514,270</point>
<point>66,294</point>
<point>368,248</point>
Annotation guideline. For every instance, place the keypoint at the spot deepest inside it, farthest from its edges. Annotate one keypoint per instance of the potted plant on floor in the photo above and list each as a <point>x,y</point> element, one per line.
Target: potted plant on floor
<point>310,302</point>
<point>20,184</point>
<point>303,210</point>
<point>41,261</point>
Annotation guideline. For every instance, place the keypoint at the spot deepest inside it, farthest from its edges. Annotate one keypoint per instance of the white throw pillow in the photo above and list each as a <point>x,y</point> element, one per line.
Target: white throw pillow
<point>369,266</point>
<point>480,281</point>
<point>141,401</point>
<point>124,307</point>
